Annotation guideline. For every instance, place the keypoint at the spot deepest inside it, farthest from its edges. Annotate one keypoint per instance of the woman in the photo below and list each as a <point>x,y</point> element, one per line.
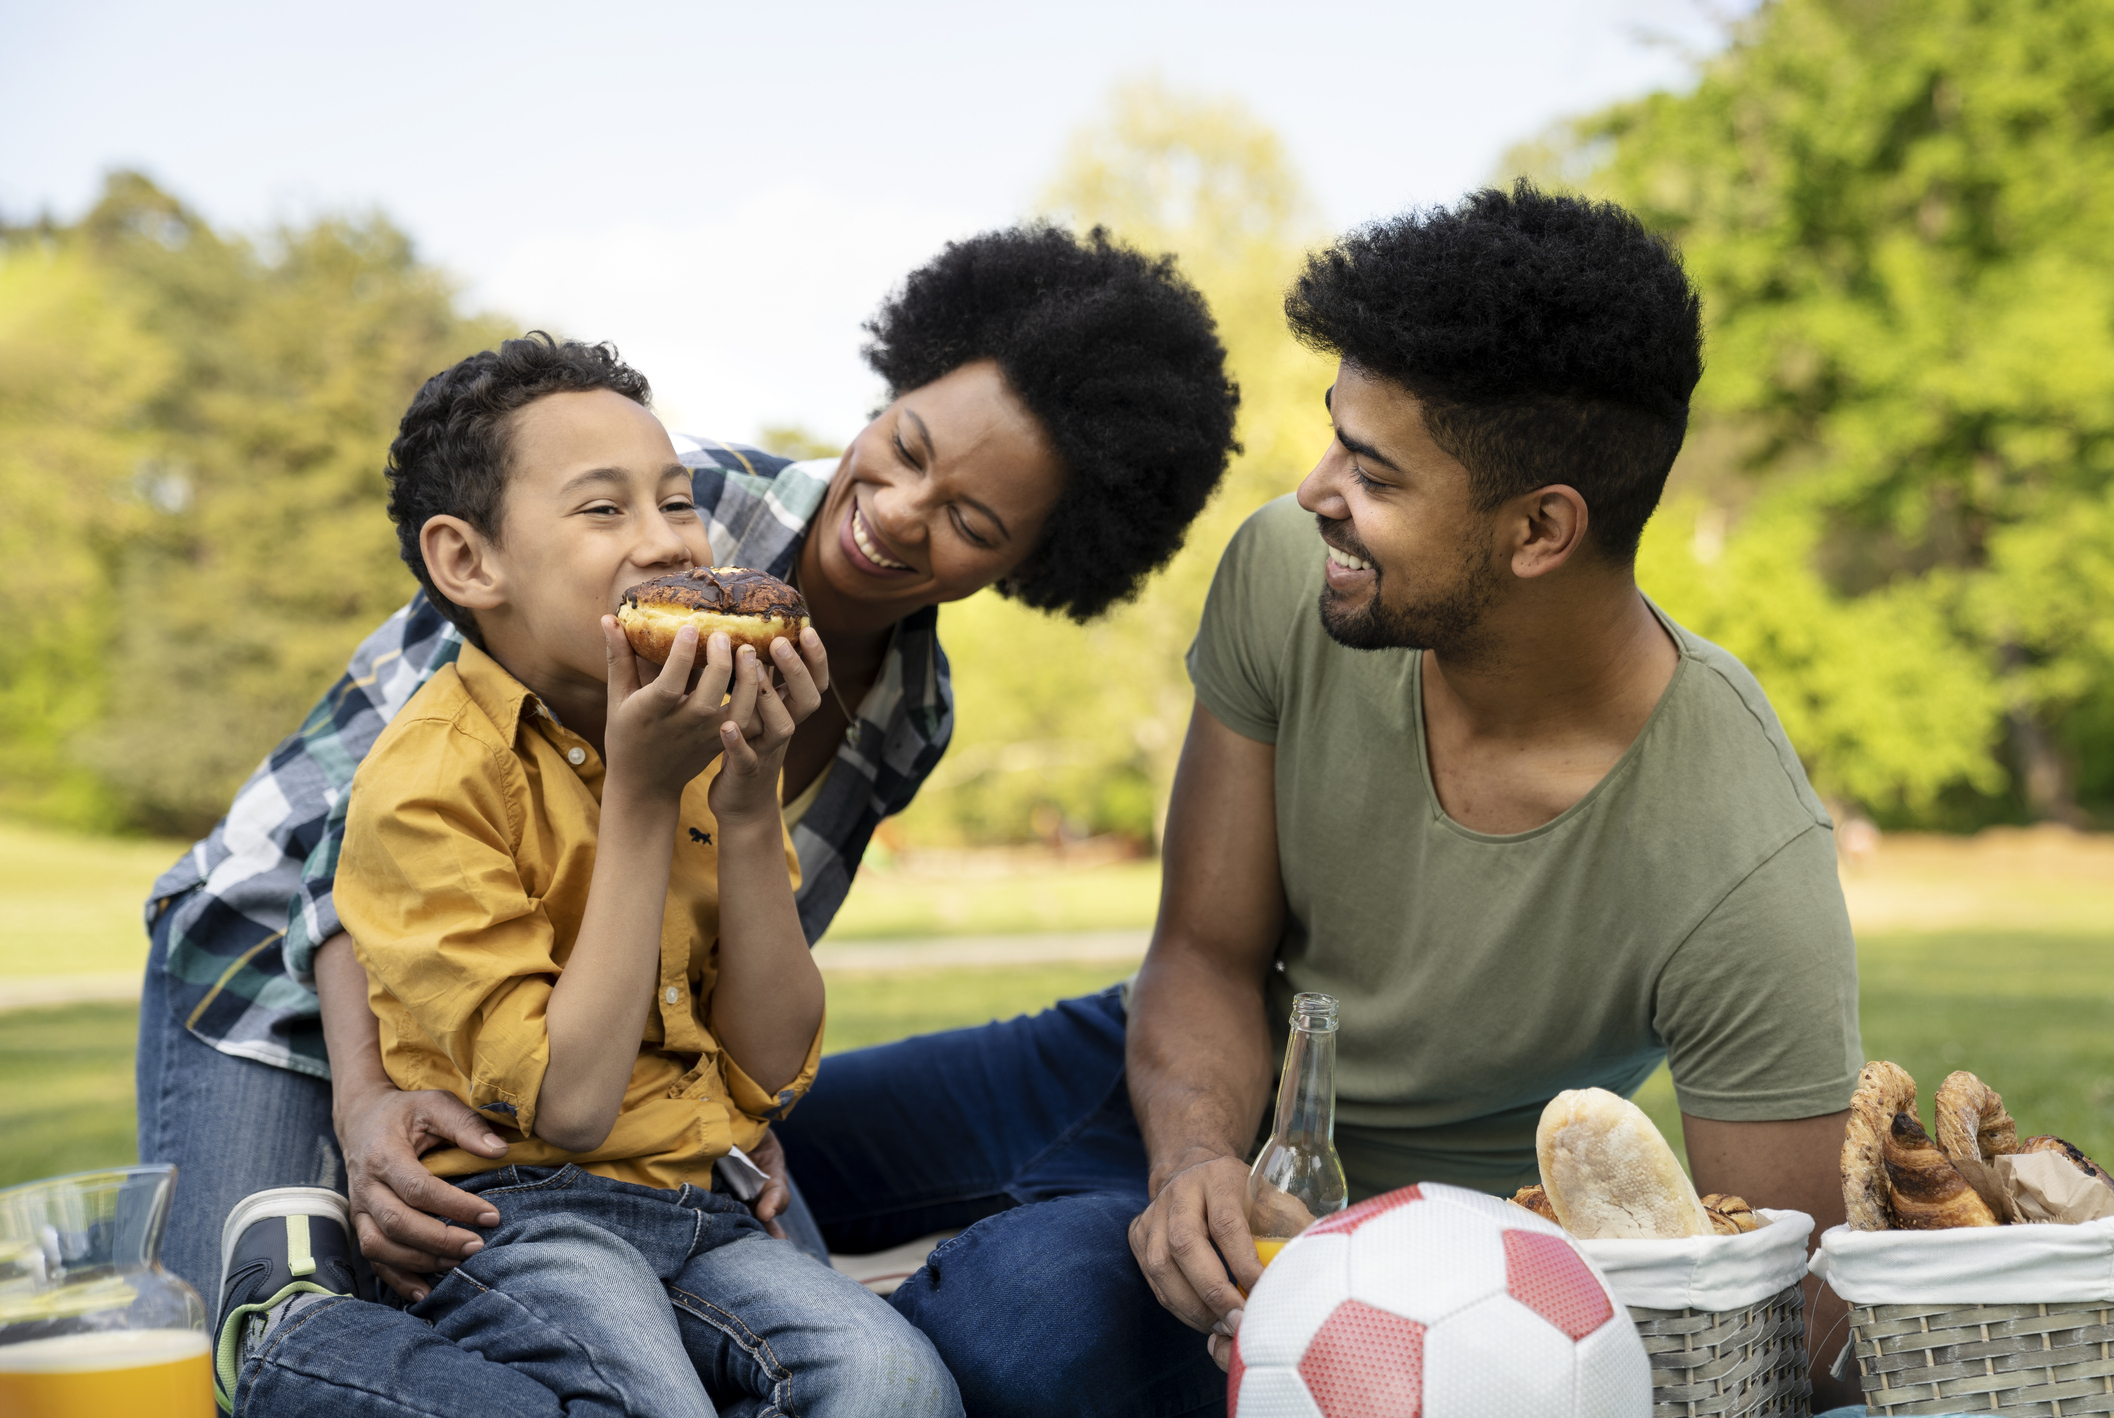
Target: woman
<point>1059,413</point>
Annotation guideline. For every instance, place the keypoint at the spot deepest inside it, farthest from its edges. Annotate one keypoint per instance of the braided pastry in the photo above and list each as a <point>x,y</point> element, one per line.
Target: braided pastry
<point>1883,1090</point>
<point>1730,1215</point>
<point>1535,1200</point>
<point>1925,1191</point>
<point>1972,1123</point>
<point>2084,1164</point>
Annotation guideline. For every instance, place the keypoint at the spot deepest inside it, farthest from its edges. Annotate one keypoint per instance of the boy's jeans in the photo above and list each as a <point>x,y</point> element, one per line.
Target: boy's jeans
<point>604,1298</point>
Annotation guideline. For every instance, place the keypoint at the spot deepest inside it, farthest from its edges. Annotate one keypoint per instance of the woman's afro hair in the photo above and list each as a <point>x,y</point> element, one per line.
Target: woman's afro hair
<point>1117,357</point>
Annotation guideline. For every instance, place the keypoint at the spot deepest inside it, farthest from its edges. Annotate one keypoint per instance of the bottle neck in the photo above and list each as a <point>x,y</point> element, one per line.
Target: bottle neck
<point>1306,1094</point>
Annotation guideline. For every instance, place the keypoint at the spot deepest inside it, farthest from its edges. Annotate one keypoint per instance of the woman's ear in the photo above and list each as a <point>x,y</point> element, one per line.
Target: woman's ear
<point>1552,528</point>
<point>459,560</point>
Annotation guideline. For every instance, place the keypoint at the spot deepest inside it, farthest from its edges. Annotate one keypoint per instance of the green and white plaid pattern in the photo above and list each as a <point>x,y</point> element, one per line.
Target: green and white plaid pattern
<point>252,901</point>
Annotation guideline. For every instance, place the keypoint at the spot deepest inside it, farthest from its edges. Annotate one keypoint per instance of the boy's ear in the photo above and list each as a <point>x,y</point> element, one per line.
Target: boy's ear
<point>460,561</point>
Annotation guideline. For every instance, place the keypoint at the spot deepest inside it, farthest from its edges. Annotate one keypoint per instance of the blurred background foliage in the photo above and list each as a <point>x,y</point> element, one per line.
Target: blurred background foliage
<point>1896,504</point>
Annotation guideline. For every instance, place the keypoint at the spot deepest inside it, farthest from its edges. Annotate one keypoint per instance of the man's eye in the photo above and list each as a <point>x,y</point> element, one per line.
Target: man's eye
<point>1369,484</point>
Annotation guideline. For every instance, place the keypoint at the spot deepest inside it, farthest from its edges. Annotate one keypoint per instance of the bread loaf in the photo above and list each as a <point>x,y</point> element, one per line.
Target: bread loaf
<point>1971,1121</point>
<point>1609,1175</point>
<point>1926,1192</point>
<point>1883,1090</point>
<point>1731,1215</point>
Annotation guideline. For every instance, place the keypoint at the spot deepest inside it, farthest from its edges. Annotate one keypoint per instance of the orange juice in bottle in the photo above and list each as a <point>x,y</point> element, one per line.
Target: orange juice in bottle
<point>124,1373</point>
<point>1297,1178</point>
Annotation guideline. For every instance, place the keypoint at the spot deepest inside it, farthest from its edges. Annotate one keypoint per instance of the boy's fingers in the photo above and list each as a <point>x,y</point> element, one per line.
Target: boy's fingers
<point>817,658</point>
<point>712,684</point>
<point>777,721</point>
<point>802,696</point>
<point>623,664</point>
<point>675,675</point>
<point>740,757</point>
<point>741,699</point>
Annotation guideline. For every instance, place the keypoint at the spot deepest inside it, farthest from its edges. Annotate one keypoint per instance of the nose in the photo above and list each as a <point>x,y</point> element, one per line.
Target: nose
<point>1321,492</point>
<point>901,509</point>
<point>660,544</point>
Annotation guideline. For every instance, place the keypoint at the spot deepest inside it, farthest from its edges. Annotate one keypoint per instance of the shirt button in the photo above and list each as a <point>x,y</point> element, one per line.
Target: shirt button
<point>672,995</point>
<point>576,756</point>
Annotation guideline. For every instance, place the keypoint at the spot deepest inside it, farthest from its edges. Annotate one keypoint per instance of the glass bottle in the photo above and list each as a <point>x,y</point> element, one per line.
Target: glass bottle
<point>89,1320</point>
<point>1297,1178</point>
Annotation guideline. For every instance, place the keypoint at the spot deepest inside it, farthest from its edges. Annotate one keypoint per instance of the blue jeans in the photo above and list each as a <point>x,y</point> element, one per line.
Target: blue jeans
<point>1022,1133</point>
<point>234,1126</point>
<point>595,1297</point>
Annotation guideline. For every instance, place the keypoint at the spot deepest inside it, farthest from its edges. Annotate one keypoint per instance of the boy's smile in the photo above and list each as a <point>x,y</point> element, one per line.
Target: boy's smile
<point>596,502</point>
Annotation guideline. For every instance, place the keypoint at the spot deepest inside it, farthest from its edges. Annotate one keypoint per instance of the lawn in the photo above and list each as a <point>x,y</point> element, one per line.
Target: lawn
<point>2031,1011</point>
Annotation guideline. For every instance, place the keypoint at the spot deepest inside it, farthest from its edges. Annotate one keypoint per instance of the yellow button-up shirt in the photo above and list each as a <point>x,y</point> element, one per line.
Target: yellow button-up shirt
<point>469,846</point>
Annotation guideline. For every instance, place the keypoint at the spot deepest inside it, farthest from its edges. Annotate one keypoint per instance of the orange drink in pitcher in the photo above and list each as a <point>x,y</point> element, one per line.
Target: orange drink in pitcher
<point>91,1326</point>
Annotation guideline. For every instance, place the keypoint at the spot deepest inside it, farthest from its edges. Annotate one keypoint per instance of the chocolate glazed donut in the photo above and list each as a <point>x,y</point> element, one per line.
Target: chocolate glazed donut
<point>752,608</point>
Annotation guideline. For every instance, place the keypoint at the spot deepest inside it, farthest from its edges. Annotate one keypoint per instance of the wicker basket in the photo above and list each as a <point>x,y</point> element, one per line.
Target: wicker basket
<point>2009,1359</point>
<point>1747,1363</point>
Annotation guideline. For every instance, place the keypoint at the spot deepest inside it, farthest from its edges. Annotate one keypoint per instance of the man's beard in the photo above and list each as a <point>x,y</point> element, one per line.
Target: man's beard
<point>1449,624</point>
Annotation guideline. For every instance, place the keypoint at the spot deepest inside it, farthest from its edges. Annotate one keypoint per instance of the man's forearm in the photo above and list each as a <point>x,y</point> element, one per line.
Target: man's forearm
<point>1199,1061</point>
<point>351,1034</point>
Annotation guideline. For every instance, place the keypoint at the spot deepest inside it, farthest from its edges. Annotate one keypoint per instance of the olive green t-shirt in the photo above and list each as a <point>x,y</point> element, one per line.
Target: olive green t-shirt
<point>1687,908</point>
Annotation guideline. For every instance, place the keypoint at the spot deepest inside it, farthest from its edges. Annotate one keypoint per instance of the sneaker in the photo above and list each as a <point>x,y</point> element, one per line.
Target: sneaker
<point>276,1245</point>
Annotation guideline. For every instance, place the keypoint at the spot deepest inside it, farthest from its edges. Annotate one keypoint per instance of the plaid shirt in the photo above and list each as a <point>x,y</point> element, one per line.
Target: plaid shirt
<point>249,904</point>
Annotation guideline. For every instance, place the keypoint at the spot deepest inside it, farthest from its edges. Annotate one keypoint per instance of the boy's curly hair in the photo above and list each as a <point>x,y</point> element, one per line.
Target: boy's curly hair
<point>1550,339</point>
<point>1117,357</point>
<point>451,450</point>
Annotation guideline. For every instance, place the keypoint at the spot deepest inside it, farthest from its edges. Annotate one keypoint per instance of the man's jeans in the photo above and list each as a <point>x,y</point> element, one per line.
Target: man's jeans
<point>1022,1132</point>
<point>595,1297</point>
<point>234,1126</point>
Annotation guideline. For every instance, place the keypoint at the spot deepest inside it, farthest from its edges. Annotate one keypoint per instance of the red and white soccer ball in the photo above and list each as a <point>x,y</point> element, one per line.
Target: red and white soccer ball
<point>1434,1302</point>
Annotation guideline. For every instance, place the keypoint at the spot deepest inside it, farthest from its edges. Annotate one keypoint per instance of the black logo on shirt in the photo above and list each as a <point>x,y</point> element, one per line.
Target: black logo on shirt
<point>701,837</point>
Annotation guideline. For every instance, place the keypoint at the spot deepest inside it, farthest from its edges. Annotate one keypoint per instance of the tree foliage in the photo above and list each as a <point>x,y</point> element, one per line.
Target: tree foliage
<point>194,430</point>
<point>1899,215</point>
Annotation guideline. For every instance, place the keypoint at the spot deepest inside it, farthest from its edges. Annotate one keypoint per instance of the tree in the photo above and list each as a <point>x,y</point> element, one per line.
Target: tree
<point>217,427</point>
<point>1898,214</point>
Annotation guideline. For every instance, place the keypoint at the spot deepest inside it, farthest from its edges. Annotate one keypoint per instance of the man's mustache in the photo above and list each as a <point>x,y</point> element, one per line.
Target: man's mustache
<point>1339,534</point>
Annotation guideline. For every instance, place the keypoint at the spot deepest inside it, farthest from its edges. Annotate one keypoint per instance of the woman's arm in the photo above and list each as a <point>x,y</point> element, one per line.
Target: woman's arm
<point>382,1133</point>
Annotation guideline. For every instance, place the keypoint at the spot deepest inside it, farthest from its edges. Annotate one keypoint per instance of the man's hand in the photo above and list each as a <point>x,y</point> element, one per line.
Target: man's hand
<point>1205,1202</point>
<point>777,1193</point>
<point>382,1134</point>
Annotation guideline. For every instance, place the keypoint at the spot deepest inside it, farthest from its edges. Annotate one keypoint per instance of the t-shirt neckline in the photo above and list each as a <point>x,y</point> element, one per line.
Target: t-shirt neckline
<point>1584,803</point>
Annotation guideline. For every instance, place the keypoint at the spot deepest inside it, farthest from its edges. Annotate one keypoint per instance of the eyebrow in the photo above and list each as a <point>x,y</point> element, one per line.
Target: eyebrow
<point>1355,444</point>
<point>616,476</point>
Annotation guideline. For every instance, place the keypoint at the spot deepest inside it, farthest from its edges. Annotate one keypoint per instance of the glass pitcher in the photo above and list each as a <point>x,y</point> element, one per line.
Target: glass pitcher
<point>90,1323</point>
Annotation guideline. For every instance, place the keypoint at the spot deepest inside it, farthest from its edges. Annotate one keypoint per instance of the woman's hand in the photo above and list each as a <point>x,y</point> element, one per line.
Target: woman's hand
<point>382,1133</point>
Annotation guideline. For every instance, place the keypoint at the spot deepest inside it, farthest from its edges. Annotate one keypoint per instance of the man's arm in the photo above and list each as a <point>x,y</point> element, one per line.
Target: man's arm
<point>1198,1052</point>
<point>1795,1166</point>
<point>383,1132</point>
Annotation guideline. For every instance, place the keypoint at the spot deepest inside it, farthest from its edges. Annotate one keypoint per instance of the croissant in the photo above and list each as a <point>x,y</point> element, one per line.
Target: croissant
<point>1535,1200</point>
<point>1730,1215</point>
<point>1971,1121</point>
<point>1927,1192</point>
<point>1883,1090</point>
<point>2084,1164</point>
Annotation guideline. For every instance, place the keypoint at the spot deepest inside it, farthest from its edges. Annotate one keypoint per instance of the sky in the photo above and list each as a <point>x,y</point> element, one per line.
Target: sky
<point>727,191</point>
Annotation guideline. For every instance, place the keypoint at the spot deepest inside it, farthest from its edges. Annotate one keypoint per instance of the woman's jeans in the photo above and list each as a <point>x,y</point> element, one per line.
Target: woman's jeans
<point>1022,1132</point>
<point>596,1297</point>
<point>234,1126</point>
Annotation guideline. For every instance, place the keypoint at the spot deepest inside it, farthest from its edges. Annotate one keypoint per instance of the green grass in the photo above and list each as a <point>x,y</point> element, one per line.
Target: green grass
<point>1119,896</point>
<point>66,1072</point>
<point>71,905</point>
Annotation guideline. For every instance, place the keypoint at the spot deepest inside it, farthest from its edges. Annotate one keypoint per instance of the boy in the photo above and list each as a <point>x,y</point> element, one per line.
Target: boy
<point>580,924</point>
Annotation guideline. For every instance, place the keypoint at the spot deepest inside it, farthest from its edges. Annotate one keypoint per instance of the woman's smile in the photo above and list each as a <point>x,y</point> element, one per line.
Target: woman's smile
<point>866,546</point>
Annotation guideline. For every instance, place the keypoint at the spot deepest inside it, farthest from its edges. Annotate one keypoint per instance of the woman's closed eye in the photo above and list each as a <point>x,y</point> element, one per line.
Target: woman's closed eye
<point>969,533</point>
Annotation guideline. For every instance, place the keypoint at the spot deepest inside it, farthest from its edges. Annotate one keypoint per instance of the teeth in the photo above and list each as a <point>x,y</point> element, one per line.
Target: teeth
<point>866,545</point>
<point>1348,562</point>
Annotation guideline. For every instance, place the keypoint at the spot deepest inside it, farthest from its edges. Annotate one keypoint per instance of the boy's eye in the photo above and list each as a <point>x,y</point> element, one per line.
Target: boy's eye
<point>679,504</point>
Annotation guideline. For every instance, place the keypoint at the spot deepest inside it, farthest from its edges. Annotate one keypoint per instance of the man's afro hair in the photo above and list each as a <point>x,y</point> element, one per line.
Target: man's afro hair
<point>1117,357</point>
<point>1549,338</point>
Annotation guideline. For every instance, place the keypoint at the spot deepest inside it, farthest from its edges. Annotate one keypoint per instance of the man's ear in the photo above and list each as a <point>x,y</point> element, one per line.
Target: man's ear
<point>460,561</point>
<point>1550,529</point>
